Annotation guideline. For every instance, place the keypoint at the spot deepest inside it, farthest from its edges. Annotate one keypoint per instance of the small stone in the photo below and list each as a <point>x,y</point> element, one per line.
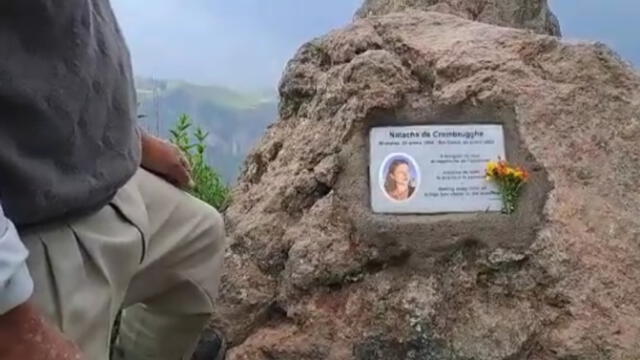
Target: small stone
<point>505,256</point>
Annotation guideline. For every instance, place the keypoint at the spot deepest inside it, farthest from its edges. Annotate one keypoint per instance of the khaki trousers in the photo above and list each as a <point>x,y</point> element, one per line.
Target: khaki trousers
<point>154,250</point>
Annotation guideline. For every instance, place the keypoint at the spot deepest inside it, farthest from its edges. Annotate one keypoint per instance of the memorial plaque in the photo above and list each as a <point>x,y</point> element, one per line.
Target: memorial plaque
<point>434,168</point>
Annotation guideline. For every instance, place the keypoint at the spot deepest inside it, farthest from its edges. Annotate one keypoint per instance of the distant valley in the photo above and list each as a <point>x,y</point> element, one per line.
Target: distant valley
<point>235,120</point>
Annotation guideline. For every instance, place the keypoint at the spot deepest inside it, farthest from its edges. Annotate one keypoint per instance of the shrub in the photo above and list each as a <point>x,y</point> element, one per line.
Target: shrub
<point>209,186</point>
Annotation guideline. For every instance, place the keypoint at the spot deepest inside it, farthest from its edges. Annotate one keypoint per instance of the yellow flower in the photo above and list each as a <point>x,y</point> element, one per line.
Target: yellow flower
<point>491,166</point>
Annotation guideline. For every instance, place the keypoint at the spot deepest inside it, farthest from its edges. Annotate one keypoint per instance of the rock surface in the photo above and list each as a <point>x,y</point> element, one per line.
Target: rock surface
<point>527,14</point>
<point>313,274</point>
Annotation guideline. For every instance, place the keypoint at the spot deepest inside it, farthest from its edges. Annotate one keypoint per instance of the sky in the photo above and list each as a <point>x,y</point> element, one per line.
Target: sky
<point>245,44</point>
<point>613,22</point>
<point>237,43</point>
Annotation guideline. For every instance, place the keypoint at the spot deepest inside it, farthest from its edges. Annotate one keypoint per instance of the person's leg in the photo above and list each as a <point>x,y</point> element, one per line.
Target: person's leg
<point>81,269</point>
<point>170,300</point>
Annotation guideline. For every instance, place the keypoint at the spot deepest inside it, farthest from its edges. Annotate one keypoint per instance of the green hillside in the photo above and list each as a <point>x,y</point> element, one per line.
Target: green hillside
<point>217,95</point>
<point>235,120</point>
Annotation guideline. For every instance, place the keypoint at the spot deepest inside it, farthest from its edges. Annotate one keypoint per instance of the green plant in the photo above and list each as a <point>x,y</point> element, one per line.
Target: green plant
<point>208,185</point>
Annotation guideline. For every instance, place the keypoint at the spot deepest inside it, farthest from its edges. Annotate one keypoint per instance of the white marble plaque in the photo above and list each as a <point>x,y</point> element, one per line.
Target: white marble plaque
<point>434,168</point>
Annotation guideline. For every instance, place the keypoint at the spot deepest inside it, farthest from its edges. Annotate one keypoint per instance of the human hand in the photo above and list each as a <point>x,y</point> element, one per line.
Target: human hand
<point>26,336</point>
<point>167,160</point>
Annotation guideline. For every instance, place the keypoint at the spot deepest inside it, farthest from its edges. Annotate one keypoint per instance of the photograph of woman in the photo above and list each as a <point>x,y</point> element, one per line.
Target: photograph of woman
<point>399,182</point>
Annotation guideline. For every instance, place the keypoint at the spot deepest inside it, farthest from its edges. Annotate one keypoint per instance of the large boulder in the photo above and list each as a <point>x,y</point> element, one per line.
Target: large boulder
<point>527,14</point>
<point>314,274</point>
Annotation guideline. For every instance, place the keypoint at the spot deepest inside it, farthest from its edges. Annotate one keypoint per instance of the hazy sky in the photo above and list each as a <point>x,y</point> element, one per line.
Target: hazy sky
<point>246,43</point>
<point>613,22</point>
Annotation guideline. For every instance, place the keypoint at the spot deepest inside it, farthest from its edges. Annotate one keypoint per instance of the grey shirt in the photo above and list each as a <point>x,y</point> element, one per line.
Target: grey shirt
<point>68,137</point>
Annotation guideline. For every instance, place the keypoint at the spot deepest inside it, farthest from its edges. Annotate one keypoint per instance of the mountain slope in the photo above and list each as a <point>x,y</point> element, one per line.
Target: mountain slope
<point>234,120</point>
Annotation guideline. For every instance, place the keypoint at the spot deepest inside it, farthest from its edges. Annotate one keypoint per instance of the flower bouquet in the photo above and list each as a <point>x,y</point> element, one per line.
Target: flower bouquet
<point>510,179</point>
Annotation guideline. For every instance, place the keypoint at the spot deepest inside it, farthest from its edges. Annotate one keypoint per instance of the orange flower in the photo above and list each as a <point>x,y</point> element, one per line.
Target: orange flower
<point>503,168</point>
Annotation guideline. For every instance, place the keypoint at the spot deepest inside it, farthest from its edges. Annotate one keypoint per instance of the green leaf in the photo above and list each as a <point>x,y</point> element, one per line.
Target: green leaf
<point>209,186</point>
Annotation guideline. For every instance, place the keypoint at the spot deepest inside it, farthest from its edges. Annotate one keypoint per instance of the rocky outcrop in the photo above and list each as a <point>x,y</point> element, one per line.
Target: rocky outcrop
<point>527,14</point>
<point>314,274</point>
